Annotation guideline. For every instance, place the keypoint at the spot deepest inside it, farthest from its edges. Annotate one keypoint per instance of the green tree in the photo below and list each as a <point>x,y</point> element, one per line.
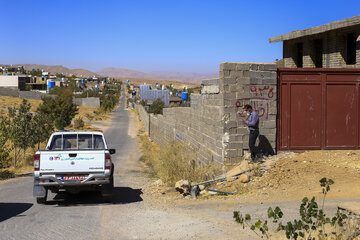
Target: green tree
<point>60,75</point>
<point>61,109</point>
<point>43,126</point>
<point>157,107</point>
<point>36,72</point>
<point>110,96</point>
<point>72,85</point>
<point>4,136</point>
<point>60,91</point>
<point>21,128</point>
<point>21,70</point>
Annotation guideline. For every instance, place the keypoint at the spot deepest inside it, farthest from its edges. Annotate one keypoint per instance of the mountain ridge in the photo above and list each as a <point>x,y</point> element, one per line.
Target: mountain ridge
<point>164,75</point>
<point>58,69</point>
<point>122,73</point>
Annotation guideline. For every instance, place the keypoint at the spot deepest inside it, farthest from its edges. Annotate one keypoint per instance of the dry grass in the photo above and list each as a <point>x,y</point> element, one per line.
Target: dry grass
<point>6,102</point>
<point>23,166</point>
<point>174,162</point>
<point>84,113</point>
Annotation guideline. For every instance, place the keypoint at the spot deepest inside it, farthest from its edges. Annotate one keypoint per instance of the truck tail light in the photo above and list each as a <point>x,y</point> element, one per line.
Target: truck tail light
<point>36,162</point>
<point>107,161</point>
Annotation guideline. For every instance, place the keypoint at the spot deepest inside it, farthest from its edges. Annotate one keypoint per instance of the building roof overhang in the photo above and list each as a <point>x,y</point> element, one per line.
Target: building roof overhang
<point>348,22</point>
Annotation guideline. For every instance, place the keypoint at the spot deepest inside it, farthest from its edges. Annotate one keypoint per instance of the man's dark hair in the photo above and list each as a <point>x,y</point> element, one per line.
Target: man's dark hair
<point>248,106</point>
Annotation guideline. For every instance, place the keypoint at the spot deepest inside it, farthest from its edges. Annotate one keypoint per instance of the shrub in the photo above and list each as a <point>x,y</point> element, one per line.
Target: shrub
<point>174,162</point>
<point>157,107</point>
<point>313,221</point>
<point>60,91</point>
<point>144,102</point>
<point>89,116</point>
<point>4,150</point>
<point>79,123</point>
<point>6,174</point>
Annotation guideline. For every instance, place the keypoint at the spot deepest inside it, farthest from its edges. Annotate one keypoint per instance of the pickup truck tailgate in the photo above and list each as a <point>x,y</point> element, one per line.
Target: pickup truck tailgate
<point>72,161</point>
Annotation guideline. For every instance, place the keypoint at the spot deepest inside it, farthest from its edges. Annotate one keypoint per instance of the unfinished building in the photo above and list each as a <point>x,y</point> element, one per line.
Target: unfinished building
<point>333,45</point>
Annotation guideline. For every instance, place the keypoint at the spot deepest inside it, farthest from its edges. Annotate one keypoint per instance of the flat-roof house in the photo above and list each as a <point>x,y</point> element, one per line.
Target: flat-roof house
<point>14,82</point>
<point>332,45</point>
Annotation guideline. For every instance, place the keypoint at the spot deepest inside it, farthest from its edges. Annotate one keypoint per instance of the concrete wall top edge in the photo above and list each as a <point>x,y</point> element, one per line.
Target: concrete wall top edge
<point>235,66</point>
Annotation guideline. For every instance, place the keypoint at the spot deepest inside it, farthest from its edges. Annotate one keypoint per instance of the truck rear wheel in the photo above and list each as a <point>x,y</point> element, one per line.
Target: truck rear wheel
<point>42,200</point>
<point>107,190</point>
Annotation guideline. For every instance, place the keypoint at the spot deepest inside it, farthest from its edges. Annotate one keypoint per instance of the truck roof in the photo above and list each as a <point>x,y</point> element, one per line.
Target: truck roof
<point>77,132</point>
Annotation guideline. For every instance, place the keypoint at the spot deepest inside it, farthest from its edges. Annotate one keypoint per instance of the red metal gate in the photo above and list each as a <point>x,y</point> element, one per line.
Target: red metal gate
<point>318,109</point>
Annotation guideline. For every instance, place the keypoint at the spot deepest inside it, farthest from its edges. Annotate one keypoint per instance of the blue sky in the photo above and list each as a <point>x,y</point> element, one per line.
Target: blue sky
<point>155,35</point>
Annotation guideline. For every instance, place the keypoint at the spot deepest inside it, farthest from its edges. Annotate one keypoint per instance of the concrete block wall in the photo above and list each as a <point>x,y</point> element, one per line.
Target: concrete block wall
<point>90,101</point>
<point>161,129</point>
<point>198,126</point>
<point>14,92</point>
<point>144,116</point>
<point>10,92</point>
<point>32,95</point>
<point>212,125</point>
<point>254,84</point>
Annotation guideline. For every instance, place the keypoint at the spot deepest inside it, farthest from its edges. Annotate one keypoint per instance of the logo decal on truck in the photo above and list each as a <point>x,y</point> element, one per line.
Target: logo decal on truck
<point>77,158</point>
<point>59,157</point>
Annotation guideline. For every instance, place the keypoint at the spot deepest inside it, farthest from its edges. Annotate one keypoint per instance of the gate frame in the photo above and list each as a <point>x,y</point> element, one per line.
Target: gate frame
<point>322,72</point>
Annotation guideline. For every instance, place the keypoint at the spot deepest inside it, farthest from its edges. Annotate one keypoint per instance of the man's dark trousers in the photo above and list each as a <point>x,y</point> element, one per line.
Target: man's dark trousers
<point>252,139</point>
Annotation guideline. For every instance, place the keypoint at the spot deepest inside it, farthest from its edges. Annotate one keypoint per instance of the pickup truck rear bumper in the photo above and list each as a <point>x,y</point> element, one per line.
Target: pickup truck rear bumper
<point>92,179</point>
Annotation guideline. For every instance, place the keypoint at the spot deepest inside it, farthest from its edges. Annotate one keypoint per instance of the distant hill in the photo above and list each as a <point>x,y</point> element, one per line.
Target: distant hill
<point>179,76</point>
<point>123,73</point>
<point>59,69</point>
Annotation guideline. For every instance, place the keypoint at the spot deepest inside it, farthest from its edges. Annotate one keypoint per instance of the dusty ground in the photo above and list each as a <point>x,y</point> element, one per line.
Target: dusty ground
<point>293,177</point>
<point>297,176</point>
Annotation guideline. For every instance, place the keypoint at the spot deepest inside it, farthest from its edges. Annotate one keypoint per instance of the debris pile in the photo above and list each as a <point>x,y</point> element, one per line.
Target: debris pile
<point>241,174</point>
<point>286,175</point>
<point>183,187</point>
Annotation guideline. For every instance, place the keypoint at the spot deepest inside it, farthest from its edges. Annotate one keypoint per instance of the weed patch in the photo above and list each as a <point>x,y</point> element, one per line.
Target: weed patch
<point>174,162</point>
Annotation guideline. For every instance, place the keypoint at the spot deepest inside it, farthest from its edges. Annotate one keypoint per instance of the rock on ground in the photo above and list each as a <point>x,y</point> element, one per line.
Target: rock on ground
<point>244,178</point>
<point>183,186</point>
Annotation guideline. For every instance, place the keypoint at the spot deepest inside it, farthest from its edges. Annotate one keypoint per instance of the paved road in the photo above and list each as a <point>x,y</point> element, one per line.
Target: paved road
<point>132,213</point>
<point>65,216</point>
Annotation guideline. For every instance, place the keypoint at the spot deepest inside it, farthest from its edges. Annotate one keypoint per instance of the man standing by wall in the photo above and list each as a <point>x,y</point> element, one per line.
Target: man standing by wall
<point>253,124</point>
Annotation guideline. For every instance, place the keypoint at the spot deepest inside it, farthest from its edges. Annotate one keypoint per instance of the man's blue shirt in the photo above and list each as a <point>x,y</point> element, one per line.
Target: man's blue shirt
<point>252,121</point>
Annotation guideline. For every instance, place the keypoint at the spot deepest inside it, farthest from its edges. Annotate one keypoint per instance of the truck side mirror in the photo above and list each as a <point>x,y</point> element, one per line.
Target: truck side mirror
<point>112,151</point>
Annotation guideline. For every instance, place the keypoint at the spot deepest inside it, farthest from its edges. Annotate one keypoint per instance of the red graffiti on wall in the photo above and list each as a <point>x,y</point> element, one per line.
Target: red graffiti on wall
<point>265,91</point>
<point>261,107</point>
<point>260,102</point>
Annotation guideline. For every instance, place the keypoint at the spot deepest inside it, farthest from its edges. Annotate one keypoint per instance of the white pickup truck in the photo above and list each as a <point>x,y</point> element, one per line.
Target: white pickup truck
<point>74,161</point>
